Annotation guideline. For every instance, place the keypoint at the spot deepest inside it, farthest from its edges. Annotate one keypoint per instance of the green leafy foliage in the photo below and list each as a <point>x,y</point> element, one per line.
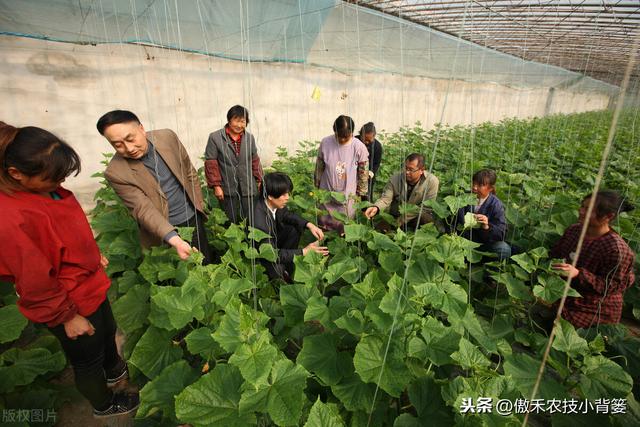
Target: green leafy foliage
<point>395,327</point>
<point>13,323</point>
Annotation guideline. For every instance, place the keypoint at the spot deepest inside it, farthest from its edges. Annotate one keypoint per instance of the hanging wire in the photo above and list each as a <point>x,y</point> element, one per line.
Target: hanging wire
<point>592,200</point>
<point>404,278</point>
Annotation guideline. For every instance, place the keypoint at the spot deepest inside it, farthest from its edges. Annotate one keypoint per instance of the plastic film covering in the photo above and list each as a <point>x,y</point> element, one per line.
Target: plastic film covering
<point>325,33</point>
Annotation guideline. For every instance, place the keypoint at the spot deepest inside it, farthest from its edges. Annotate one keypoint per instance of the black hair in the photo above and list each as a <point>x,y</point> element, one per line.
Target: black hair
<point>275,184</point>
<point>368,128</point>
<point>344,126</point>
<point>238,111</point>
<point>34,152</point>
<point>609,202</point>
<point>115,117</point>
<point>485,176</point>
<point>415,156</point>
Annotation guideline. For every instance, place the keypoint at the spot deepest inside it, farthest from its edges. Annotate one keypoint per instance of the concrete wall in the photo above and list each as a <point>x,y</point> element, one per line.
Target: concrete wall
<point>65,88</point>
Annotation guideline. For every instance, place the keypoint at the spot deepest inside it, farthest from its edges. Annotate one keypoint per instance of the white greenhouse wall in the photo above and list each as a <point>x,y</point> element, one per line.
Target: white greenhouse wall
<point>65,88</point>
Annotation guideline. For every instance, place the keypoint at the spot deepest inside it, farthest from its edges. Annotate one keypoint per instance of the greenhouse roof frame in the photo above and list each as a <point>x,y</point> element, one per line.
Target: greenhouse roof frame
<point>592,37</point>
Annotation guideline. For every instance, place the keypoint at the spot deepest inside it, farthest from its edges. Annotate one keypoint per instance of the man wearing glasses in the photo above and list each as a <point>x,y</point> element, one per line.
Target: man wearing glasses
<point>404,193</point>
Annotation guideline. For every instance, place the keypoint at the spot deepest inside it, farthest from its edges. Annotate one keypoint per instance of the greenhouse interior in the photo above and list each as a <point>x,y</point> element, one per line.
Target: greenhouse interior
<point>320,213</point>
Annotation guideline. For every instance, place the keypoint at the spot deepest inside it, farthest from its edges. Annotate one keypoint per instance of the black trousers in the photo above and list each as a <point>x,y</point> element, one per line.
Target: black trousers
<point>288,238</point>
<point>238,208</point>
<point>199,238</point>
<point>92,356</point>
<point>372,183</point>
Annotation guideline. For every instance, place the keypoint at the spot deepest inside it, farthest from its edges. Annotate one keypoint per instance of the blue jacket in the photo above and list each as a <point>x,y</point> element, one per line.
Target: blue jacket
<point>494,210</point>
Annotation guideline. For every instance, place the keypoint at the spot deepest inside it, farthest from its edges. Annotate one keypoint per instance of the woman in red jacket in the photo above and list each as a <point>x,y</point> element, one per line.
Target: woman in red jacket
<point>605,267</point>
<point>49,252</point>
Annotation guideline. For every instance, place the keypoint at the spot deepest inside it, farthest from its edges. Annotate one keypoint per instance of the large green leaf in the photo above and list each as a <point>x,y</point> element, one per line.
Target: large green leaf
<point>441,341</point>
<point>407,420</point>
<point>324,415</point>
<point>294,301</point>
<point>213,400</point>
<point>469,357</point>
<point>20,367</point>
<point>283,397</point>
<point>128,280</point>
<point>13,323</point>
<point>257,235</point>
<point>472,324</point>
<point>376,365</point>
<point>317,310</point>
<point>551,287</point>
<point>392,261</point>
<point>382,242</point>
<point>456,202</point>
<point>603,377</point>
<point>523,370</point>
<point>159,394</point>
<point>320,357</point>
<point>447,250</point>
<point>568,340</point>
<point>516,287</point>
<point>394,302</point>
<point>354,394</point>
<point>180,307</point>
<point>228,332</point>
<point>255,359</point>
<point>229,288</point>
<point>200,341</point>
<point>352,321</point>
<point>424,270</point>
<point>155,351</point>
<point>426,397</point>
<point>158,265</point>
<point>131,310</point>
<point>309,268</point>
<point>446,296</point>
<point>370,287</point>
<point>350,270</point>
<point>355,232</point>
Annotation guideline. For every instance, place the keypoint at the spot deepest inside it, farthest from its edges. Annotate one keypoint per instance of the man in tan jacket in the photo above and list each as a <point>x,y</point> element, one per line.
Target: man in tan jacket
<point>154,177</point>
<point>411,187</point>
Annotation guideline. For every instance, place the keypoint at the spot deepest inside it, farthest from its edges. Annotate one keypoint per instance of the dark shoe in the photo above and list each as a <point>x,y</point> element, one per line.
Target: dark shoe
<point>117,374</point>
<point>121,404</point>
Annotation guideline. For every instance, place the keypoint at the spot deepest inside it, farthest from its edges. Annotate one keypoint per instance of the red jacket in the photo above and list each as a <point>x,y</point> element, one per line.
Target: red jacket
<point>47,249</point>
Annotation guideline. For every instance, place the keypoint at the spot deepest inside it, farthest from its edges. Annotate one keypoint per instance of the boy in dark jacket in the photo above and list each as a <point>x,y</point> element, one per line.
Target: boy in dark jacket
<point>489,214</point>
<point>283,226</point>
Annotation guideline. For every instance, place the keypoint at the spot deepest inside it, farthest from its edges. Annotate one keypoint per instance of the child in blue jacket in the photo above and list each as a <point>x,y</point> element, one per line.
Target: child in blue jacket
<point>489,213</point>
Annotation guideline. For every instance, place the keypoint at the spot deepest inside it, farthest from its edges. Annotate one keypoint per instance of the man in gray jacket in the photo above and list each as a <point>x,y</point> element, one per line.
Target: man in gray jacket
<point>411,187</point>
<point>232,166</point>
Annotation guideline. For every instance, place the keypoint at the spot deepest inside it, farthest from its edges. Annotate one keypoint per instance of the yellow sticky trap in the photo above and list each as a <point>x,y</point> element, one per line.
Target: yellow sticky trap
<point>315,95</point>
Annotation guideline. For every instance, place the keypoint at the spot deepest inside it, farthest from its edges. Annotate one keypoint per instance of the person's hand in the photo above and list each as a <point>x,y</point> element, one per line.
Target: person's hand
<point>104,262</point>
<point>483,220</point>
<point>322,250</point>
<point>371,212</point>
<point>371,174</point>
<point>183,248</point>
<point>217,191</point>
<point>316,231</point>
<point>77,326</point>
<point>567,270</point>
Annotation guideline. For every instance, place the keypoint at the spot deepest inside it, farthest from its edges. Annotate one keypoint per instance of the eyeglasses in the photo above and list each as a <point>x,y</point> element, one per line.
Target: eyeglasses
<point>412,170</point>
